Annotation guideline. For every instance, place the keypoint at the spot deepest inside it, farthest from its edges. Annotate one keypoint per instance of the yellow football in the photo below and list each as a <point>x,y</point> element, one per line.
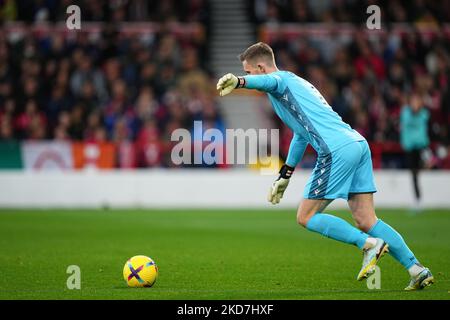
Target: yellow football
<point>140,271</point>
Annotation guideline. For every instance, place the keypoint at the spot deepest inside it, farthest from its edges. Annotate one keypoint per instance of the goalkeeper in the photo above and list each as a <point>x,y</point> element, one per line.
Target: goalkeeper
<point>343,168</point>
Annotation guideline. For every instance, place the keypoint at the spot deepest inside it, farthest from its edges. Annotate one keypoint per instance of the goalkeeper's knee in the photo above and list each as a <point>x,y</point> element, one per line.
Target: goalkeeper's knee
<point>303,216</point>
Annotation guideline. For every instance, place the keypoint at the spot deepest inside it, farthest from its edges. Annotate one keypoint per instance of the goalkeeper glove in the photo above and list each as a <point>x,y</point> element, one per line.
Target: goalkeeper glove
<point>228,83</point>
<point>280,185</point>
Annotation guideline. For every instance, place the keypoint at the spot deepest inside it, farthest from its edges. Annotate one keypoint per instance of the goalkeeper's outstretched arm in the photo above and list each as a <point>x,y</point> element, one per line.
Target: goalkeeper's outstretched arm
<point>262,82</point>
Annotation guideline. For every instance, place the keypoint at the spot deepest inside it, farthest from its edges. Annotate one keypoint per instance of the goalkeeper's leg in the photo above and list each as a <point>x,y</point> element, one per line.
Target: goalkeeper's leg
<point>363,212</point>
<point>310,215</point>
<point>331,179</point>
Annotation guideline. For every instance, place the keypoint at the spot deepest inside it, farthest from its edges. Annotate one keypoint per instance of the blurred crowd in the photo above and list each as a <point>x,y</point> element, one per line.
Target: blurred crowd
<point>368,83</point>
<point>349,11</point>
<point>138,88</point>
<point>368,80</point>
<point>115,11</point>
<point>118,88</point>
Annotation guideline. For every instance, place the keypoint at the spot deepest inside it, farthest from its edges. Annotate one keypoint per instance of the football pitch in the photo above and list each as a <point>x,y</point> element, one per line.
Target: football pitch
<point>207,254</point>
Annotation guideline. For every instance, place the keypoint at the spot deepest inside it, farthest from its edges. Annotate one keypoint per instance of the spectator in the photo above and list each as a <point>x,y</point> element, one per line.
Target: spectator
<point>414,138</point>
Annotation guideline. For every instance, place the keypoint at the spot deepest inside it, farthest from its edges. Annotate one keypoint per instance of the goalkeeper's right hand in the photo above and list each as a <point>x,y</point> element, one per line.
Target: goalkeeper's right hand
<point>228,83</point>
<point>279,186</point>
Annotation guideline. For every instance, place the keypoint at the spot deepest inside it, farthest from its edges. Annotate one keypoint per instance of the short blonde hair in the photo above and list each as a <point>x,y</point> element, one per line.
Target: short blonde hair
<point>258,51</point>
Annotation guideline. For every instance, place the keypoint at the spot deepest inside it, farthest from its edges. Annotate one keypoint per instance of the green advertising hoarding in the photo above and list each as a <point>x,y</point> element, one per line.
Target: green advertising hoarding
<point>10,155</point>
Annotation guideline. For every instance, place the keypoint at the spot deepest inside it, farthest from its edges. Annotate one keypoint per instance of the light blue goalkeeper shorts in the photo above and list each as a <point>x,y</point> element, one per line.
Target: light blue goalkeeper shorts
<point>341,173</point>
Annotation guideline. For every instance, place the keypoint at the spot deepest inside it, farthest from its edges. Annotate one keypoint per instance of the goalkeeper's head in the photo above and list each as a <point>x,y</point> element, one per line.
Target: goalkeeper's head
<point>258,59</point>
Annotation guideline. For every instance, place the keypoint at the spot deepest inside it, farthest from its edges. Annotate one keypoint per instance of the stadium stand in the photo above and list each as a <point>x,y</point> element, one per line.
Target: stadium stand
<point>367,76</point>
<point>114,82</point>
<point>139,69</point>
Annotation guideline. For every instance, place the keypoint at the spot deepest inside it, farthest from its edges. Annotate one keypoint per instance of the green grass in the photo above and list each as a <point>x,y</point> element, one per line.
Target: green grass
<point>206,254</point>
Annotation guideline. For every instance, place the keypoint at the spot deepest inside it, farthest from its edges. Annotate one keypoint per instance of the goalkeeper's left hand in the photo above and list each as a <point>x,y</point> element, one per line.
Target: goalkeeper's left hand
<point>228,83</point>
<point>279,186</point>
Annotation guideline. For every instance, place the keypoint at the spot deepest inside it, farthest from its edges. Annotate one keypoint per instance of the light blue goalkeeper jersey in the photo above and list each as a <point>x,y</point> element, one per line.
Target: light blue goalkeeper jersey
<point>304,110</point>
